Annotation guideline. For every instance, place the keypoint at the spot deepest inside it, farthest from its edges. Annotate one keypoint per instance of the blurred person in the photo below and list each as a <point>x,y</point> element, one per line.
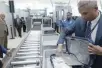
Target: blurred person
<point>3,51</point>
<point>24,24</point>
<point>6,30</point>
<point>58,25</point>
<point>2,33</point>
<point>18,24</point>
<point>66,26</point>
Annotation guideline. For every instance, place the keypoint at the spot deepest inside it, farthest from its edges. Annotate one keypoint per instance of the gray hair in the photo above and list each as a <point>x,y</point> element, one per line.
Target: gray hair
<point>87,4</point>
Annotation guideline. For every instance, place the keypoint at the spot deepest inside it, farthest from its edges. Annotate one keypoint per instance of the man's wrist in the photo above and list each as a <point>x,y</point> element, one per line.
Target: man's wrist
<point>60,46</point>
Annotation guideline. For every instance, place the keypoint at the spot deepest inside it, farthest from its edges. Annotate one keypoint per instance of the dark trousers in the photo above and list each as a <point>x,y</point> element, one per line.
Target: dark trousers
<point>24,28</point>
<point>56,28</point>
<point>19,32</point>
<point>76,67</point>
<point>6,41</point>
<point>1,64</point>
<point>97,62</point>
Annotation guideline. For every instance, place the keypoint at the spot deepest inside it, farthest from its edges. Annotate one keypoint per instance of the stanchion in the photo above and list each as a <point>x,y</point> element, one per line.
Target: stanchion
<point>12,37</point>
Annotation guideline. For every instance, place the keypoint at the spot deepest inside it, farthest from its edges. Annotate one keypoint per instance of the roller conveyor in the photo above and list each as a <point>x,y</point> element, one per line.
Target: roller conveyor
<point>27,55</point>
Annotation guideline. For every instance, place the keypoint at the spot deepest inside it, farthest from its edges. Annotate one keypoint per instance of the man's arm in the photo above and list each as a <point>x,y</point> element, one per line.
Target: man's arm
<point>4,50</point>
<point>67,32</point>
<point>61,37</point>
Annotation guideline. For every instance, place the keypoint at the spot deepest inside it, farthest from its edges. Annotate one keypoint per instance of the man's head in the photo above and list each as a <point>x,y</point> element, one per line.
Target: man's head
<point>69,15</point>
<point>2,16</point>
<point>22,17</point>
<point>88,9</point>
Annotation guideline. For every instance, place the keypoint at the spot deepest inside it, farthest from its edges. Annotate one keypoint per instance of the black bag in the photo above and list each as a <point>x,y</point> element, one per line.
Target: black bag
<point>78,47</point>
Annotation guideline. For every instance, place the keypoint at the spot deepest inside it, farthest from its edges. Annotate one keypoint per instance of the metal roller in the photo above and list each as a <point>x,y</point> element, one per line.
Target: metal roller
<point>28,48</point>
<point>34,47</point>
<point>24,62</point>
<point>28,67</point>
<point>26,57</point>
<point>30,44</point>
<point>28,53</point>
<point>32,41</point>
<point>24,50</point>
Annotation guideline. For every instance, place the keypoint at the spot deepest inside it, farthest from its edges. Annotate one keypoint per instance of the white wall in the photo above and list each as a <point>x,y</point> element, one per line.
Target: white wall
<point>21,13</point>
<point>5,9</point>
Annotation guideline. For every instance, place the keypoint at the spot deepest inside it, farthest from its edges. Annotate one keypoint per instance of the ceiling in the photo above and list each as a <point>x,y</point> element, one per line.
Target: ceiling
<point>48,2</point>
<point>39,4</point>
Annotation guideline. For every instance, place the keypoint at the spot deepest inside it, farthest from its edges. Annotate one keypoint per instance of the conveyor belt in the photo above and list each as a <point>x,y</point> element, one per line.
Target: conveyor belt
<point>28,54</point>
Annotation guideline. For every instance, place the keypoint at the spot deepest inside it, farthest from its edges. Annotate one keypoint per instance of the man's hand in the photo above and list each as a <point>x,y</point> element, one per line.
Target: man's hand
<point>8,54</point>
<point>95,49</point>
<point>66,30</point>
<point>59,48</point>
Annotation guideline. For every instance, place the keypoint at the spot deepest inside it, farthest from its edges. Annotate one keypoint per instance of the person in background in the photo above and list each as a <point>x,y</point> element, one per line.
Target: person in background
<point>66,26</point>
<point>18,24</point>
<point>2,33</point>
<point>58,25</point>
<point>24,24</point>
<point>6,31</point>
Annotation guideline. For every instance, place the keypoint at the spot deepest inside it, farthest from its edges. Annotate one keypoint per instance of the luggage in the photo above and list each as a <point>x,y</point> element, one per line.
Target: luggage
<point>78,47</point>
